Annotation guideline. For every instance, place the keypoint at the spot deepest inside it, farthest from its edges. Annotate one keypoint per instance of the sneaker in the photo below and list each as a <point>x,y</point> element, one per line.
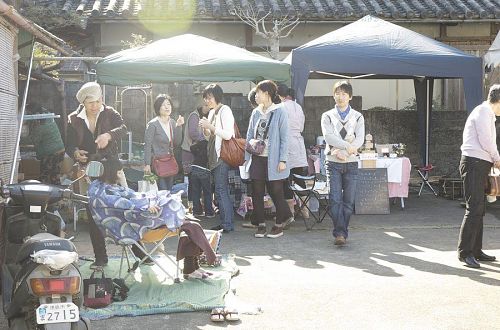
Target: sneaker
<point>248,224</point>
<point>275,232</point>
<point>288,222</point>
<point>148,262</point>
<point>340,240</point>
<point>198,214</point>
<point>261,232</point>
<point>98,264</point>
<point>219,227</point>
<point>210,215</point>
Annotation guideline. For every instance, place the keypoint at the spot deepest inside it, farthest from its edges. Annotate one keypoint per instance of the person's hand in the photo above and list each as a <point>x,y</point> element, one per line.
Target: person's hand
<point>497,164</point>
<point>281,166</point>
<point>180,121</point>
<point>81,156</point>
<point>147,169</point>
<point>205,124</point>
<point>352,150</point>
<point>103,140</point>
<point>154,209</point>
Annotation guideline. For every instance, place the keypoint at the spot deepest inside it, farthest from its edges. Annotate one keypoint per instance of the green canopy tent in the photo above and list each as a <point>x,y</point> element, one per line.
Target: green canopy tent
<point>188,58</point>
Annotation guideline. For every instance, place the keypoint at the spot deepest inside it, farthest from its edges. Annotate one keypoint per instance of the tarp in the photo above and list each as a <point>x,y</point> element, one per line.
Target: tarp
<point>374,46</point>
<point>492,57</point>
<point>188,58</point>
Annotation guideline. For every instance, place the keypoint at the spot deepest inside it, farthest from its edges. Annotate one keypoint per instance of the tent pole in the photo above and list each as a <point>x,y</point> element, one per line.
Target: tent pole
<point>427,120</point>
<point>23,107</point>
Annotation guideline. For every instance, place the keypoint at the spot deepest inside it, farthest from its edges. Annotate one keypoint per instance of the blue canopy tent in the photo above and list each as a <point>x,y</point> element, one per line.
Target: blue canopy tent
<point>374,48</point>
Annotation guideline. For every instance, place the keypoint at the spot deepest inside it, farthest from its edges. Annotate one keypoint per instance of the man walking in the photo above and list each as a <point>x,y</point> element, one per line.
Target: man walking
<point>479,154</point>
<point>344,132</point>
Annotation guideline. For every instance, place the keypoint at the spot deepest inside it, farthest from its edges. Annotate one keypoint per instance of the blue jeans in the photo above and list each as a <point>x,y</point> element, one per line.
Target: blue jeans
<point>221,178</point>
<point>342,177</point>
<point>165,183</point>
<point>200,182</point>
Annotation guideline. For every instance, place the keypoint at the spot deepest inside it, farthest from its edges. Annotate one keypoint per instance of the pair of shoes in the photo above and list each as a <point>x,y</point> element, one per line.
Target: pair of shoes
<point>484,257</point>
<point>221,314</point>
<point>98,264</point>
<point>219,227</point>
<point>261,232</point>
<point>197,274</point>
<point>340,240</point>
<point>470,262</point>
<point>288,222</point>
<point>148,262</point>
<point>198,214</point>
<point>275,232</point>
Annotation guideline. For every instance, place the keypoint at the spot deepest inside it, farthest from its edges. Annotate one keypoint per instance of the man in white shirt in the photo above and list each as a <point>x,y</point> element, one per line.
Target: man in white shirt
<point>479,154</point>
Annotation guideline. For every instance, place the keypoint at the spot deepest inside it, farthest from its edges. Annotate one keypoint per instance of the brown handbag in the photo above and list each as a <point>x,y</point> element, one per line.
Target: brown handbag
<point>233,150</point>
<point>493,185</point>
<point>166,165</point>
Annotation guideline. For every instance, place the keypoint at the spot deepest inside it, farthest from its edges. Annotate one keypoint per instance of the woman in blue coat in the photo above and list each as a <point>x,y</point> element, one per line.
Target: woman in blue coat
<point>268,124</point>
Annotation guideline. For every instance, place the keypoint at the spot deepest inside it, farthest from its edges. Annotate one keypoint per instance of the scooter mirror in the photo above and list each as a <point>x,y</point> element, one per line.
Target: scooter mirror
<point>94,169</point>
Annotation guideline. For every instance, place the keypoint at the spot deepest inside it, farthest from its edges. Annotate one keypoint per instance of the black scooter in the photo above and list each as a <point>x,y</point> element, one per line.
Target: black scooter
<point>41,282</point>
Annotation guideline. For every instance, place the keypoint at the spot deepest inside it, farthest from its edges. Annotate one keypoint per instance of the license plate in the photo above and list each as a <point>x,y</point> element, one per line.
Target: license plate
<point>57,313</point>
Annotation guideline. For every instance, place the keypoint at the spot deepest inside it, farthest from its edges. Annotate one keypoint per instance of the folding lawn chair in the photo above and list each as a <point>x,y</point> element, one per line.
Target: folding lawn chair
<point>316,188</point>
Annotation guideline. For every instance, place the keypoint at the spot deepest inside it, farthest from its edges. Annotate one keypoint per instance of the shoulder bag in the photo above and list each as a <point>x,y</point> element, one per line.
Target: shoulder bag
<point>233,150</point>
<point>258,147</point>
<point>97,292</point>
<point>166,165</point>
<point>493,184</point>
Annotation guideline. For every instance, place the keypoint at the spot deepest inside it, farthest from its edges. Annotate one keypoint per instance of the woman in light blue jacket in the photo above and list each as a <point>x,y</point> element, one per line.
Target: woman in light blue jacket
<point>268,123</point>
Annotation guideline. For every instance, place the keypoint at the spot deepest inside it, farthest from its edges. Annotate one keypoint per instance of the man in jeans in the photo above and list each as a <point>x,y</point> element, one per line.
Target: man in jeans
<point>344,132</point>
<point>479,154</point>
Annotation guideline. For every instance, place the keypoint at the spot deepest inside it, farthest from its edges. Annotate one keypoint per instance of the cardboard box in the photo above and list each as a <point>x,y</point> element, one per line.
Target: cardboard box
<point>369,163</point>
<point>30,168</point>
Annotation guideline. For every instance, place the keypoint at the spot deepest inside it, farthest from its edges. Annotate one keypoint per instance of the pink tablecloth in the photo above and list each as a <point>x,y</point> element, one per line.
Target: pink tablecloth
<point>400,189</point>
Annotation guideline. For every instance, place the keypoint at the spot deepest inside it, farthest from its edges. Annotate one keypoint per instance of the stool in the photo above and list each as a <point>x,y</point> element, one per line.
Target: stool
<point>424,171</point>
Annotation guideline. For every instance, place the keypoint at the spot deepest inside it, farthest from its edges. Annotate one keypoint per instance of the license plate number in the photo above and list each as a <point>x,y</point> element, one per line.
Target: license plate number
<point>57,313</point>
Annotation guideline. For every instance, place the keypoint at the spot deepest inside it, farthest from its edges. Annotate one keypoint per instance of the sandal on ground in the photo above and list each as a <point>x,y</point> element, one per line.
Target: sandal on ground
<point>217,315</point>
<point>231,314</point>
<point>197,274</point>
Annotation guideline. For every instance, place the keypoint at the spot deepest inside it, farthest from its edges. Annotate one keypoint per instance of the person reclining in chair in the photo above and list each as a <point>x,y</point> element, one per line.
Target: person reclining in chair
<point>122,213</point>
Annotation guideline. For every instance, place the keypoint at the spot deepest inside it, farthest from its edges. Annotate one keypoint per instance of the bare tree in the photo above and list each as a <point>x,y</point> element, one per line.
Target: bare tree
<point>266,26</point>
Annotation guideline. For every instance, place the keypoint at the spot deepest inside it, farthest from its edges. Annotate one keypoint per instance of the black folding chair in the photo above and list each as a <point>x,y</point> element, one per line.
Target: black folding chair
<point>315,187</point>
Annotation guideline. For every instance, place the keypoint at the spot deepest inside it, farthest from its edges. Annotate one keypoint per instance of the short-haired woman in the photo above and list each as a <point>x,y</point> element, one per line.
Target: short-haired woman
<point>162,134</point>
<point>269,123</point>
<point>217,127</point>
<point>297,159</point>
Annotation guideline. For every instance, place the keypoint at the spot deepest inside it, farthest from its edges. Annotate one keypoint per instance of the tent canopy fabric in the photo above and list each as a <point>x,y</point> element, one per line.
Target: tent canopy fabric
<point>187,58</point>
<point>374,46</point>
<point>492,57</point>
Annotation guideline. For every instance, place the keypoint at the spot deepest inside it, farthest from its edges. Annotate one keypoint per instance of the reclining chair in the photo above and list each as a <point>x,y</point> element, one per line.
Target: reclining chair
<point>131,227</point>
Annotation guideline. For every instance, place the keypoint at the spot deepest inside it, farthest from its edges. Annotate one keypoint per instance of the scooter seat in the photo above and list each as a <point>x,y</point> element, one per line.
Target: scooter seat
<point>43,241</point>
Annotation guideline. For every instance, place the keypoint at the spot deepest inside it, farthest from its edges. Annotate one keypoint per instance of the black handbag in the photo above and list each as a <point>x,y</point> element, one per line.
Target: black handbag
<point>258,147</point>
<point>97,292</point>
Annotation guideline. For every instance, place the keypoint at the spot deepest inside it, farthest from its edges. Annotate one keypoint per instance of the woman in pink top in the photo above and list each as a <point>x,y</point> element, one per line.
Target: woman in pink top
<point>297,158</point>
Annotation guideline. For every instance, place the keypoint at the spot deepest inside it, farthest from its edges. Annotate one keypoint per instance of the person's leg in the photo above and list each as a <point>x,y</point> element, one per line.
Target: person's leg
<point>258,193</point>
<point>275,189</point>
<point>221,173</point>
<point>44,169</point>
<point>169,181</point>
<point>97,240</point>
<point>195,192</point>
<point>334,171</point>
<point>349,194</point>
<point>206,187</point>
<point>474,173</point>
